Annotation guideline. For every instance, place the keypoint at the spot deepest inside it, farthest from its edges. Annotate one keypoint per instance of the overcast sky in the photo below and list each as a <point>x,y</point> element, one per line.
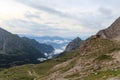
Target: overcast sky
<point>65,18</point>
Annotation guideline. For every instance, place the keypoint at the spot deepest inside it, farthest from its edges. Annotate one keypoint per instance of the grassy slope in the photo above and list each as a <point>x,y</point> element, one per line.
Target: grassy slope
<point>103,75</point>
<point>23,72</point>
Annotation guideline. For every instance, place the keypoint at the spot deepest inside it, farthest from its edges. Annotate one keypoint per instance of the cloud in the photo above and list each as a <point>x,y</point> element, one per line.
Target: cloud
<point>30,15</point>
<point>65,18</point>
<point>37,5</point>
<point>31,27</point>
<point>105,11</point>
<point>56,41</point>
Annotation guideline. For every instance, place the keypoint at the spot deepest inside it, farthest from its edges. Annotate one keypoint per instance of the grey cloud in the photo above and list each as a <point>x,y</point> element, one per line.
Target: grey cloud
<point>38,6</point>
<point>32,15</point>
<point>105,11</point>
<point>100,19</point>
<point>34,26</point>
<point>110,3</point>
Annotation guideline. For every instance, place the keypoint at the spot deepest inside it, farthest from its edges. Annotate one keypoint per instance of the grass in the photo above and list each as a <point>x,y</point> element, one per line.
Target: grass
<point>21,72</point>
<point>68,67</point>
<point>104,57</point>
<point>103,75</point>
<point>115,49</point>
<point>101,47</point>
<point>73,75</point>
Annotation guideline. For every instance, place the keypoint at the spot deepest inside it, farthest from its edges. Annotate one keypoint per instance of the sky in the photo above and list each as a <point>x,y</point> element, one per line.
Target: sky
<point>64,18</point>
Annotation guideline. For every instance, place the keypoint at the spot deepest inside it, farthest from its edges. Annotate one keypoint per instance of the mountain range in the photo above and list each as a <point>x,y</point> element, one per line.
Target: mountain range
<point>58,43</point>
<point>97,58</point>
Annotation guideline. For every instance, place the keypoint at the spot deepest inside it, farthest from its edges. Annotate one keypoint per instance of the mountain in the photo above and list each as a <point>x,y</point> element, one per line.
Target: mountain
<point>74,44</point>
<point>43,48</point>
<point>58,43</point>
<point>16,51</point>
<point>112,32</point>
<point>98,58</point>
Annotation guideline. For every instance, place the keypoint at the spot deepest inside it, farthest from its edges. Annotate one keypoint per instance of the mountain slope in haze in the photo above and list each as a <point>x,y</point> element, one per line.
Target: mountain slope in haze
<point>16,51</point>
<point>43,48</point>
<point>74,44</point>
<point>97,59</point>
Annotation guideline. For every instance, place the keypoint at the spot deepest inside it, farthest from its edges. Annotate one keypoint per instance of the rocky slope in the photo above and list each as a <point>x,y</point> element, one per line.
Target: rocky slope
<point>16,51</point>
<point>74,44</point>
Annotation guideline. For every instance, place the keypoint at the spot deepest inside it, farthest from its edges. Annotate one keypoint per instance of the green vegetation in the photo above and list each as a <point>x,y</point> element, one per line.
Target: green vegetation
<point>73,75</point>
<point>115,49</point>
<point>104,57</point>
<point>22,72</point>
<point>101,47</point>
<point>103,75</point>
<point>94,50</point>
<point>69,66</point>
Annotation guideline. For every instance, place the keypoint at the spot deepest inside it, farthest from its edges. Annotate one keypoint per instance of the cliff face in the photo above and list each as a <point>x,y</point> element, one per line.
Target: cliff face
<point>74,44</point>
<point>16,51</point>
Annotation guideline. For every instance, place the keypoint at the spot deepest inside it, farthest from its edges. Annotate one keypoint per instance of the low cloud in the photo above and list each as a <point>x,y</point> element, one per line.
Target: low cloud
<point>56,41</point>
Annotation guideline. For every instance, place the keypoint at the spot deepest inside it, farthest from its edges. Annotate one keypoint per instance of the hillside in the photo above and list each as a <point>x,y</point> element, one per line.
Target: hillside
<point>97,59</point>
<point>75,66</point>
<point>17,51</point>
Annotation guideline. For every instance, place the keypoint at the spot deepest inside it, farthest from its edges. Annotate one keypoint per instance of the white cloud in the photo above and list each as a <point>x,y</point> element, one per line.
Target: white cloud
<point>58,51</point>
<point>56,41</point>
<point>65,18</point>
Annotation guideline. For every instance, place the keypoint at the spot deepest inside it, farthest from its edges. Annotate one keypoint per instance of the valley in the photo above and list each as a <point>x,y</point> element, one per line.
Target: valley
<point>97,58</point>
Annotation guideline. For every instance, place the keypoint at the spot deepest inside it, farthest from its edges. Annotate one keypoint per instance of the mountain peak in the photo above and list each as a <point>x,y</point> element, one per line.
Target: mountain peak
<point>74,44</point>
<point>112,32</point>
<point>77,38</point>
